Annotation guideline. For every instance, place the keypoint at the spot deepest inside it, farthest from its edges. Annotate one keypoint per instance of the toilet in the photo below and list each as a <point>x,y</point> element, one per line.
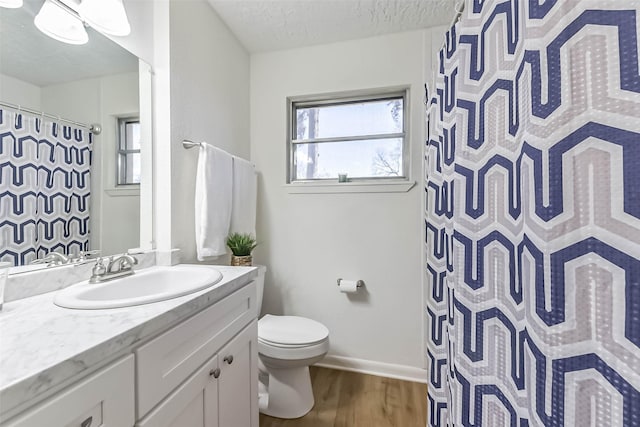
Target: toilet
<point>287,346</point>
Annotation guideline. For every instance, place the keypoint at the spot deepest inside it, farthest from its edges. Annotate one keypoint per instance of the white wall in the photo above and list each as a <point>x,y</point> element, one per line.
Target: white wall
<point>310,240</point>
<point>209,102</point>
<point>18,92</point>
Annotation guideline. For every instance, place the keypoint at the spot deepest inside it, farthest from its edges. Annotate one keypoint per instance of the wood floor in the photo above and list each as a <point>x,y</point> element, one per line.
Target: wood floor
<point>349,399</point>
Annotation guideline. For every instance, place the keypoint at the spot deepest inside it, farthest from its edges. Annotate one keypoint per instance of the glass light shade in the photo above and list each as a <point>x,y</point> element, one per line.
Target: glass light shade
<point>59,24</point>
<point>107,16</point>
<point>11,4</point>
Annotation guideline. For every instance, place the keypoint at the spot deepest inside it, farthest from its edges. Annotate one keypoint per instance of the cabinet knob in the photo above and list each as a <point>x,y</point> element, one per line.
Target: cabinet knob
<point>87,422</point>
<point>215,373</point>
<point>229,359</point>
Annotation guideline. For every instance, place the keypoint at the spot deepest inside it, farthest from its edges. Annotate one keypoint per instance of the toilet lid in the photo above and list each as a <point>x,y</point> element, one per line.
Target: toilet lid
<point>291,330</point>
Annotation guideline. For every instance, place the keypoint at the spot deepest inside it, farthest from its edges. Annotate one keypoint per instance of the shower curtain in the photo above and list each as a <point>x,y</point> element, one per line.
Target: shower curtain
<point>532,217</point>
<point>44,188</point>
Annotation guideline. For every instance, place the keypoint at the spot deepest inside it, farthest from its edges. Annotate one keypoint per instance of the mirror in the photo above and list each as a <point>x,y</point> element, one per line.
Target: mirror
<point>48,91</point>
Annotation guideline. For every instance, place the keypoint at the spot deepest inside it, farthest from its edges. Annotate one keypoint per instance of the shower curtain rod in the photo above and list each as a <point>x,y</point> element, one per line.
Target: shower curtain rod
<point>459,8</point>
<point>94,128</point>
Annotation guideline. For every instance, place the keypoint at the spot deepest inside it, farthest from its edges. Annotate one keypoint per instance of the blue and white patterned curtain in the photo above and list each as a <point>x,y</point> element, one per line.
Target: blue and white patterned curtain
<point>533,216</point>
<point>44,188</point>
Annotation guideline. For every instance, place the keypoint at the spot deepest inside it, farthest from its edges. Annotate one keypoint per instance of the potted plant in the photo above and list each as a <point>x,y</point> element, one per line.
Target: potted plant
<point>241,245</point>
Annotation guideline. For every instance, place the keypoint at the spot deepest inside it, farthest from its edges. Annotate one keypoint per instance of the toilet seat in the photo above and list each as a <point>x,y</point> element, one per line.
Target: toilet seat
<point>291,337</point>
<point>291,331</point>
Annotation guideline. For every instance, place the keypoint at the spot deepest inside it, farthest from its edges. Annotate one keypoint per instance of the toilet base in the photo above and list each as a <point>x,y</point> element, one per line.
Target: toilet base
<point>290,393</point>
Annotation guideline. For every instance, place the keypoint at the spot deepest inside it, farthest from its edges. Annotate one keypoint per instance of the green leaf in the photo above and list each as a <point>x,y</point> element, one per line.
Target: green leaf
<point>241,244</point>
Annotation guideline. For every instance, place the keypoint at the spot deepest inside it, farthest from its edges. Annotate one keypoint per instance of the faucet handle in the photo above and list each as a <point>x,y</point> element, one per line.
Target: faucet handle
<point>98,271</point>
<point>99,268</point>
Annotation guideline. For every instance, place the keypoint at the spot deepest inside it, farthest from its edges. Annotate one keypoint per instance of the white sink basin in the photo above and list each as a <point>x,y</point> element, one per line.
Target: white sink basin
<point>145,286</point>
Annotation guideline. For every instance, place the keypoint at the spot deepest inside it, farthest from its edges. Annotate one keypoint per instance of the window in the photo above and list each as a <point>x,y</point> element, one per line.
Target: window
<point>129,165</point>
<point>362,136</point>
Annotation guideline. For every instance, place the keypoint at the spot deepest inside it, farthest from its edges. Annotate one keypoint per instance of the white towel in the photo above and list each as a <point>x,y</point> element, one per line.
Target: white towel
<point>213,201</point>
<point>245,193</point>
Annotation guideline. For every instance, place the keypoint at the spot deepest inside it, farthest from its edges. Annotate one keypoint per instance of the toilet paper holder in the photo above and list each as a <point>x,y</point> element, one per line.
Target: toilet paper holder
<point>359,283</point>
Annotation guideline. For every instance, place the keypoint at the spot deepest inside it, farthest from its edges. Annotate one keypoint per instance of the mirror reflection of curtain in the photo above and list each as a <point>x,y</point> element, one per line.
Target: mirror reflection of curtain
<point>44,188</point>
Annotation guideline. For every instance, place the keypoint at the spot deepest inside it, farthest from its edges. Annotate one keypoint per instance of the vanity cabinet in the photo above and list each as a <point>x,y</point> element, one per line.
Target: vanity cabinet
<point>199,372</point>
<point>221,393</point>
<point>104,399</point>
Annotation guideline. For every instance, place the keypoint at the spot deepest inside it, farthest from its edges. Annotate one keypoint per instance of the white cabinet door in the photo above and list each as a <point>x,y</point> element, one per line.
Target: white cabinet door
<point>166,361</point>
<point>238,382</point>
<point>104,399</point>
<point>193,404</point>
<point>222,393</point>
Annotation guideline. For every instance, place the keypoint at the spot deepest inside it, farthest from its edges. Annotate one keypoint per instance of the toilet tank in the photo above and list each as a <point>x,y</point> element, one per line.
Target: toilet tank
<point>262,270</point>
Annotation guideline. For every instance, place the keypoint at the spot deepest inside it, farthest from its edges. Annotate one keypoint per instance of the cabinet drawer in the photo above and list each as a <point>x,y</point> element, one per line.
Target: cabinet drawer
<point>104,399</point>
<point>165,362</point>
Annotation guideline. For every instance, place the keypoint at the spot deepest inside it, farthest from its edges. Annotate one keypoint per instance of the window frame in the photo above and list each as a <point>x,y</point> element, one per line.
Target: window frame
<point>349,97</point>
<point>122,135</point>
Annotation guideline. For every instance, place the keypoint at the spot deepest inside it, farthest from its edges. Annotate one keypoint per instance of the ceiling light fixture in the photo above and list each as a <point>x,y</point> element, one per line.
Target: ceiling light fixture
<point>11,4</point>
<point>107,16</point>
<point>58,23</point>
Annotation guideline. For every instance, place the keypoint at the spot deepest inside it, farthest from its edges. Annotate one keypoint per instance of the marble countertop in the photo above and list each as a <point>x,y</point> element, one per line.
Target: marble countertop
<point>43,346</point>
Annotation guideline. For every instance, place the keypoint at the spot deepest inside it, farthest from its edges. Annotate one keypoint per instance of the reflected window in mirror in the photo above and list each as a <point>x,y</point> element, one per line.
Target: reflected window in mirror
<point>129,161</point>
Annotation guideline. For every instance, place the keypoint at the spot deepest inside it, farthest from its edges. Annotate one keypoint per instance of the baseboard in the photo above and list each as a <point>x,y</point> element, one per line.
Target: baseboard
<point>389,370</point>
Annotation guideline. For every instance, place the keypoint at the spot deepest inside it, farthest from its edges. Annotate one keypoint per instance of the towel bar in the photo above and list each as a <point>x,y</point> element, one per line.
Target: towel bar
<point>190,144</point>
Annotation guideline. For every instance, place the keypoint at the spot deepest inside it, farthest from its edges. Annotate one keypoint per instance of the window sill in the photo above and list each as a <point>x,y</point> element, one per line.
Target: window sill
<point>123,192</point>
<point>349,187</point>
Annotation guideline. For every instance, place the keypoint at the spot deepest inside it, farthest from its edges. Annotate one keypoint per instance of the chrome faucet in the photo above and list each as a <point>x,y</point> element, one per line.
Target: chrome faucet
<point>118,266</point>
<point>53,258</point>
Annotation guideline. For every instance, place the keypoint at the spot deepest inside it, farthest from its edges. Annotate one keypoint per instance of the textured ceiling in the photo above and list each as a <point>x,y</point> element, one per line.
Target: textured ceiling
<point>283,24</point>
<point>29,55</point>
